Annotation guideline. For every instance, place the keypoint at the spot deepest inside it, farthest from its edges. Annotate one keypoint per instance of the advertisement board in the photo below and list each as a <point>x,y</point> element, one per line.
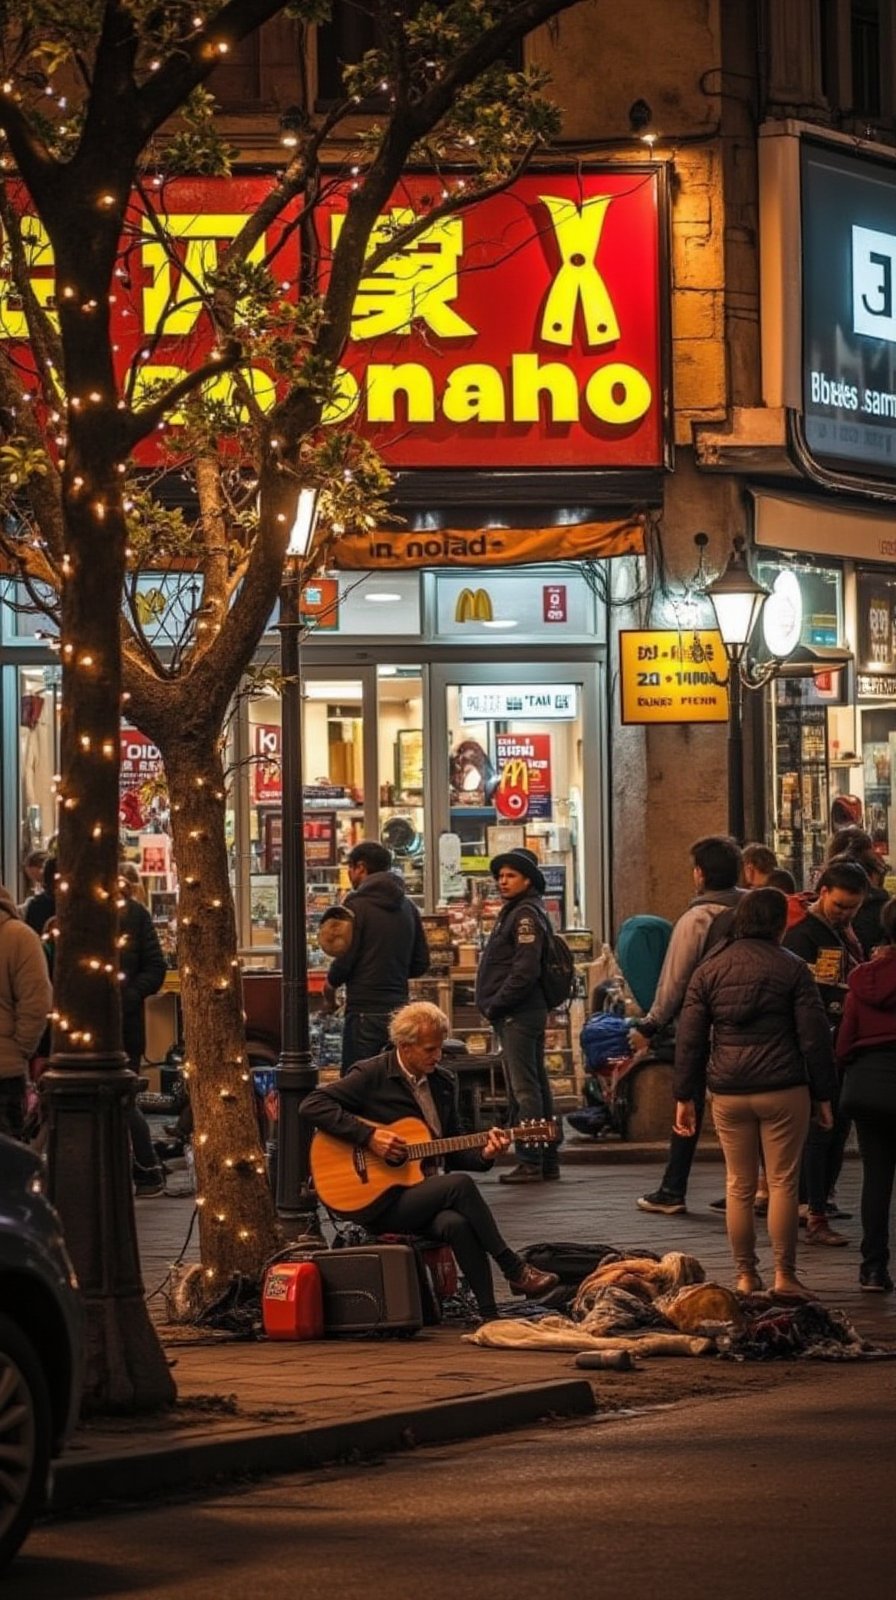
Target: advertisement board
<point>667,676</point>
<point>849,309</point>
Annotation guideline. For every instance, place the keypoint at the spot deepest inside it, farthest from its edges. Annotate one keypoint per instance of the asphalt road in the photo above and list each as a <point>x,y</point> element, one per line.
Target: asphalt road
<point>787,1492</point>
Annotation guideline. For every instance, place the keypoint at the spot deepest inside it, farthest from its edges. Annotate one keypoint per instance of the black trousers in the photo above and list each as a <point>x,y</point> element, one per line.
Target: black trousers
<point>876,1132</point>
<point>682,1149</point>
<point>450,1207</point>
<point>823,1158</point>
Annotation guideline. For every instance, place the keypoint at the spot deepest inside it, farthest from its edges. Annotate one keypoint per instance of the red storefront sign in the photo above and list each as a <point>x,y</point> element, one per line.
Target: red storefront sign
<point>267,784</point>
<point>523,333</point>
<point>553,602</point>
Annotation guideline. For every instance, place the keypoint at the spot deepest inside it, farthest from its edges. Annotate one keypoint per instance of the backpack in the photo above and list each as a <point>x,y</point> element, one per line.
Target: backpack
<point>558,969</point>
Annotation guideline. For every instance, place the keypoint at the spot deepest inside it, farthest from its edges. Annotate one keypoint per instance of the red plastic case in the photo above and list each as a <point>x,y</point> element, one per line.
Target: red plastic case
<point>292,1302</point>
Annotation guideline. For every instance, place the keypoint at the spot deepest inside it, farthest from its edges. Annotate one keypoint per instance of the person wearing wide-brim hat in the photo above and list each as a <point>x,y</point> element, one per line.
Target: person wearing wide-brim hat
<point>510,994</point>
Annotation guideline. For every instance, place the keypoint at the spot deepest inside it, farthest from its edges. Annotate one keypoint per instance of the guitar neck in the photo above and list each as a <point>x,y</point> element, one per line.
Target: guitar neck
<point>445,1147</point>
<point>476,1141</point>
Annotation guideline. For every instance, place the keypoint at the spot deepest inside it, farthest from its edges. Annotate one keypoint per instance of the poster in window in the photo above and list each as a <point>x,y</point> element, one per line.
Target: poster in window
<point>264,903</point>
<point>409,763</point>
<point>320,840</point>
<point>155,855</point>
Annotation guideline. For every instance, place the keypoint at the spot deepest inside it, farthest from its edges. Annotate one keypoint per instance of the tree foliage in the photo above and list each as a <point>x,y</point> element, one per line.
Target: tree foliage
<point>104,104</point>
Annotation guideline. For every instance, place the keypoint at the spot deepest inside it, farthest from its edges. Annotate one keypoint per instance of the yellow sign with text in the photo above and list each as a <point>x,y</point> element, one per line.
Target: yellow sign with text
<point>671,676</point>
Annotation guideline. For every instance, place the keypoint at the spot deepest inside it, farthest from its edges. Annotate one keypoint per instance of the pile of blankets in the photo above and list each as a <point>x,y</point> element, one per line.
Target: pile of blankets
<point>656,1306</point>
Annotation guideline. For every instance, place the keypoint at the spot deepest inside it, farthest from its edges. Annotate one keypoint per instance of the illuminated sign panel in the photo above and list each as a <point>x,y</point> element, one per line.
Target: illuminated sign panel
<point>667,676</point>
<point>524,333</point>
<point>849,309</point>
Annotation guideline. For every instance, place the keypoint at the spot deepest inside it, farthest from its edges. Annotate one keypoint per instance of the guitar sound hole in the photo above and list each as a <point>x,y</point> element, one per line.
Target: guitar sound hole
<point>396,1161</point>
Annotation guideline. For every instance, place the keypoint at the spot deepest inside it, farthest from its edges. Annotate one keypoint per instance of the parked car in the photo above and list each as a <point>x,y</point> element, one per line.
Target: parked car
<point>41,1343</point>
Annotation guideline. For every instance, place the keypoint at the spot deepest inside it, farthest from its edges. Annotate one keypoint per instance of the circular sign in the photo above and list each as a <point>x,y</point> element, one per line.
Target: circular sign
<point>782,615</point>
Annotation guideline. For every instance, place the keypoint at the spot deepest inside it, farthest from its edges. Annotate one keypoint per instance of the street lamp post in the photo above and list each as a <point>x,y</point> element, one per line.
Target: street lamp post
<point>737,600</point>
<point>296,1074</point>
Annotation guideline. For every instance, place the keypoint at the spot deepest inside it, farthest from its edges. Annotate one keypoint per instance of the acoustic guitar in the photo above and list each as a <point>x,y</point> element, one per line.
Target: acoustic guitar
<point>349,1177</point>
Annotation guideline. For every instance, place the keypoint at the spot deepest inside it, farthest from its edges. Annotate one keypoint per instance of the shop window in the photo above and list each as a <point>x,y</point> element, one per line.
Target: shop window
<point>513,779</point>
<point>400,757</point>
<point>333,804</point>
<point>39,710</point>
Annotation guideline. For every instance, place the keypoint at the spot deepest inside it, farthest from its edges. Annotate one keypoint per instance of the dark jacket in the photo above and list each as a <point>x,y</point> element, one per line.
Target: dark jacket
<point>143,964</point>
<point>378,1090</point>
<point>808,938</point>
<point>39,908</point>
<point>869,1012</point>
<point>509,975</point>
<point>755,1012</point>
<point>866,922</point>
<point>389,946</point>
<point>866,1043</point>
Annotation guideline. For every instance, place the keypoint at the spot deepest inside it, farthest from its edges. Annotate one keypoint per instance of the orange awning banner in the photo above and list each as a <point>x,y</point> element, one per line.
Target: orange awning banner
<point>384,550</point>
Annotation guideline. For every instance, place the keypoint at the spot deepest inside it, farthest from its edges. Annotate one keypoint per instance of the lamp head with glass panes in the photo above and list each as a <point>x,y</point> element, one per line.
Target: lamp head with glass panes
<point>737,600</point>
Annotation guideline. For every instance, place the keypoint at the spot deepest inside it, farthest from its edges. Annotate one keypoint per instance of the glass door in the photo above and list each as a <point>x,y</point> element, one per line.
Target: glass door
<point>517,762</point>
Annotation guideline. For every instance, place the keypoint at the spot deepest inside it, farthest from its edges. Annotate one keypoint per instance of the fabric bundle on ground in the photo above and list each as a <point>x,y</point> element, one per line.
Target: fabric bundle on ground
<point>558,1333</point>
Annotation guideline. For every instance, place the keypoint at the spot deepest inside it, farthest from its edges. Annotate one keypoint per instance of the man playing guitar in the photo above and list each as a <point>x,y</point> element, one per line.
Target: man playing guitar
<point>362,1108</point>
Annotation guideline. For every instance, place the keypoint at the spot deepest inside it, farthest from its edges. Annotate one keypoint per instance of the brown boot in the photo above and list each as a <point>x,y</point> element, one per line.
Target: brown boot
<point>533,1283</point>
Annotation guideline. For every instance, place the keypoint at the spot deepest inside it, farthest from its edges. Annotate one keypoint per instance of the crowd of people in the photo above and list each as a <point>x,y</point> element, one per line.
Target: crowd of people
<point>781,1006</point>
<point>785,1012</point>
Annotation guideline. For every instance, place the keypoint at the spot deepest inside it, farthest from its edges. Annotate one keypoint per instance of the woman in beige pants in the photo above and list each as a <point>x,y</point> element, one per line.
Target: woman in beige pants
<point>753,1031</point>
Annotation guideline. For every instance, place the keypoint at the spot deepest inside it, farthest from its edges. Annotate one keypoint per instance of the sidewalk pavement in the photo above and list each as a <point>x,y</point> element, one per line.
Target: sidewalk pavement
<point>247,1408</point>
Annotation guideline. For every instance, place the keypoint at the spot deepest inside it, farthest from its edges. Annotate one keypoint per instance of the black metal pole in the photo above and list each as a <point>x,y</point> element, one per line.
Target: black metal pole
<point>735,754</point>
<point>296,1073</point>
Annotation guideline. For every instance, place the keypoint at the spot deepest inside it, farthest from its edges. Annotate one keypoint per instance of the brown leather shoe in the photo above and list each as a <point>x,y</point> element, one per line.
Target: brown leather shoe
<point>524,1173</point>
<point>533,1283</point>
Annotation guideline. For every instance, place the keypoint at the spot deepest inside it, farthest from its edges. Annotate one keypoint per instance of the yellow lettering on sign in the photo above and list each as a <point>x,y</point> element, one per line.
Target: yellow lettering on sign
<point>618,393</point>
<point>344,400</point>
<point>531,380</point>
<point>38,256</point>
<point>577,230</point>
<point>409,378</point>
<point>474,393</point>
<point>221,388</point>
<point>172,304</point>
<point>416,284</point>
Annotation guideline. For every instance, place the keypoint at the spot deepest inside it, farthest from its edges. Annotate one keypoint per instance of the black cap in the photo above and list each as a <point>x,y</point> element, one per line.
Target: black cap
<point>524,861</point>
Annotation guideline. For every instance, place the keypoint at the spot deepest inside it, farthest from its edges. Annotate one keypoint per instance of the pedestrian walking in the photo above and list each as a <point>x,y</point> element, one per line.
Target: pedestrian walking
<point>387,947</point>
<point>717,866</point>
<point>753,1030</point>
<point>509,993</point>
<point>866,1048</point>
<point>824,939</point>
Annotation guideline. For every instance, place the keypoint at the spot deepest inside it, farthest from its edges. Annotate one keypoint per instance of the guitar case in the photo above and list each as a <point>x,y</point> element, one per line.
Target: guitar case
<point>370,1288</point>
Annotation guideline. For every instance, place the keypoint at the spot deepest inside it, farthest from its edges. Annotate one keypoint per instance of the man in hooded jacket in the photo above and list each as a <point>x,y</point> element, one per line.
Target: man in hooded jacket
<point>388,947</point>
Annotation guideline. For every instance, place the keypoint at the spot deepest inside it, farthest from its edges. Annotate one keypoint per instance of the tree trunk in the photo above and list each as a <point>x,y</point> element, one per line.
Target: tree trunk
<point>88,1090</point>
<point>237,1227</point>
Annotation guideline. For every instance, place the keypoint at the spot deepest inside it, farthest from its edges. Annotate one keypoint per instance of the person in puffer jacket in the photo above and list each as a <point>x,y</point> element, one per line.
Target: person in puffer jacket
<point>866,1047</point>
<point>754,1032</point>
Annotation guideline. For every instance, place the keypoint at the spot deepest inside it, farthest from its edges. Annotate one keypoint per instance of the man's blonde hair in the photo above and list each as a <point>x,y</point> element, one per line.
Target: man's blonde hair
<point>418,1016</point>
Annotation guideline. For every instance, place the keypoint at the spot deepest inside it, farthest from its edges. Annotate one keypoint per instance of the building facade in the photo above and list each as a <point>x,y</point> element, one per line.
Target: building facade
<point>446,703</point>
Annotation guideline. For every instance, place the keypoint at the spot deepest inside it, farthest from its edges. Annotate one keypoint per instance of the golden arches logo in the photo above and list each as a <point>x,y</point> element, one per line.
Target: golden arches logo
<point>511,798</point>
<point>474,606</point>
